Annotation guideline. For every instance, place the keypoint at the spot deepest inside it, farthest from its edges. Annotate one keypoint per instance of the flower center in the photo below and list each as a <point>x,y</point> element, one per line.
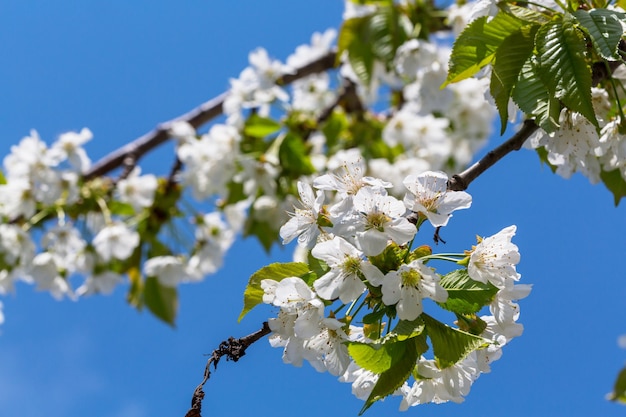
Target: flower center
<point>410,278</point>
<point>351,265</point>
<point>377,220</point>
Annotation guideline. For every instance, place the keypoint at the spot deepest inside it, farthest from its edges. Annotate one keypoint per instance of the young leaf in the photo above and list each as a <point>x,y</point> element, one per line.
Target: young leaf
<point>450,345</point>
<point>509,60</point>
<point>605,30</point>
<point>376,358</point>
<point>253,295</point>
<point>476,45</point>
<point>162,301</point>
<point>563,68</point>
<point>293,156</point>
<point>614,181</point>
<point>524,13</point>
<point>260,127</point>
<point>400,370</point>
<point>465,296</point>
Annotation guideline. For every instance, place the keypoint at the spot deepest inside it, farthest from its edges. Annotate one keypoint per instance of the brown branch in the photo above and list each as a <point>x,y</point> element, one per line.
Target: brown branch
<point>460,182</point>
<point>233,349</point>
<point>196,118</point>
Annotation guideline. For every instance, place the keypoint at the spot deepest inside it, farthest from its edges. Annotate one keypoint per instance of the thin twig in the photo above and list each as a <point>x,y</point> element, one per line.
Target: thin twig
<point>233,349</point>
<point>460,182</point>
<point>196,118</point>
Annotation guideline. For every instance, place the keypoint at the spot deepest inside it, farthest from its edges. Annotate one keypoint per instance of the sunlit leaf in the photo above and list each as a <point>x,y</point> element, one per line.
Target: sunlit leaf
<point>398,372</point>
<point>450,345</point>
<point>477,44</point>
<point>465,296</point>
<point>260,127</point>
<point>563,68</point>
<point>253,294</point>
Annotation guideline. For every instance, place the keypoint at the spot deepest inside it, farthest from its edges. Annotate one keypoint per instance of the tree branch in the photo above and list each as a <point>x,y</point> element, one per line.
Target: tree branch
<point>233,349</point>
<point>196,118</point>
<point>460,182</point>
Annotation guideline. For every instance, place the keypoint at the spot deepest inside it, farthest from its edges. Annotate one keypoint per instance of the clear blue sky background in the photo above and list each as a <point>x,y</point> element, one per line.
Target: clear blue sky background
<point>119,68</point>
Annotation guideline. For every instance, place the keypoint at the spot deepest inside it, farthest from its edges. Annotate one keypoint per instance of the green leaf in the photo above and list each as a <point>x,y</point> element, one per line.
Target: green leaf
<point>333,127</point>
<point>253,295</point>
<point>354,38</point>
<point>371,37</point>
<point>532,97</point>
<point>563,68</point>
<point>477,44</point>
<point>387,31</point>
<point>293,156</point>
<point>605,30</point>
<point>450,345</point>
<point>509,60</point>
<point>406,329</point>
<point>465,296</point>
<point>161,300</point>
<point>375,357</point>
<point>524,13</point>
<point>260,127</point>
<point>402,365</point>
<point>614,181</point>
<point>619,388</point>
<point>264,231</point>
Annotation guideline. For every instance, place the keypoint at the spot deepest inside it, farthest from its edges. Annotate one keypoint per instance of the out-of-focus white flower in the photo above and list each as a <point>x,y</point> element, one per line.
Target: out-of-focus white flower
<point>168,270</point>
<point>69,147</point>
<point>137,190</point>
<point>115,241</point>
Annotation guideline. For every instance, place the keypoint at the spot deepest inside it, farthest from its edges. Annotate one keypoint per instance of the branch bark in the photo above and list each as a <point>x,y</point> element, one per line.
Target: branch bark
<point>460,182</point>
<point>196,118</point>
<point>233,349</point>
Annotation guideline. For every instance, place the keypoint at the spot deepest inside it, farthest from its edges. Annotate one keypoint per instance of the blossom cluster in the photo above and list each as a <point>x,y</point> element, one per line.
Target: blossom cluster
<point>352,226</point>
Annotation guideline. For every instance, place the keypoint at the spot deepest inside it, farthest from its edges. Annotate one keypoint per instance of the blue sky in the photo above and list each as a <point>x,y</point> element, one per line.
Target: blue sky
<point>120,68</point>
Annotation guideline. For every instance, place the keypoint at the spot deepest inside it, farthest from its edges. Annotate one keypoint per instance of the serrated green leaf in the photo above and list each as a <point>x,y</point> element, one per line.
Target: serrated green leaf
<point>532,97</point>
<point>260,127</point>
<point>450,345</point>
<point>523,13</point>
<point>375,357</point>
<point>465,296</point>
<point>619,388</point>
<point>562,66</point>
<point>614,181</point>
<point>400,370</point>
<point>605,29</point>
<point>477,44</point>
<point>293,156</point>
<point>253,294</point>
<point>509,60</point>
<point>406,329</point>
<point>161,300</point>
